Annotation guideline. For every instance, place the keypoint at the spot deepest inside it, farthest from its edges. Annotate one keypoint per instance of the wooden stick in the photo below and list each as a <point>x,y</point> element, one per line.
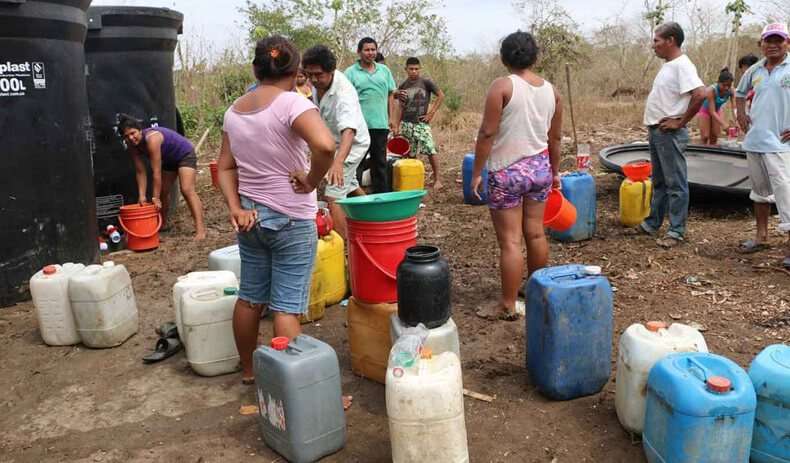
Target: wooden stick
<point>775,269</point>
<point>570,104</point>
<point>202,140</point>
<point>479,396</point>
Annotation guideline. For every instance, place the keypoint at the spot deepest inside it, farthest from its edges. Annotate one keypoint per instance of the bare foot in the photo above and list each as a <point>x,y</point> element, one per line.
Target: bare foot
<point>200,236</point>
<point>248,380</point>
<point>497,311</point>
<point>347,399</point>
<point>437,185</point>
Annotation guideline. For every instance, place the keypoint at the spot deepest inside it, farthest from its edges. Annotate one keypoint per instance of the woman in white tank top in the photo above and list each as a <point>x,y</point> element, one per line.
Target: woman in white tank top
<point>519,141</point>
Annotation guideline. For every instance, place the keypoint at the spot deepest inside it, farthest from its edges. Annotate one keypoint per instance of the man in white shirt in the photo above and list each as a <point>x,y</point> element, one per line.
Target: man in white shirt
<point>338,103</point>
<point>677,95</point>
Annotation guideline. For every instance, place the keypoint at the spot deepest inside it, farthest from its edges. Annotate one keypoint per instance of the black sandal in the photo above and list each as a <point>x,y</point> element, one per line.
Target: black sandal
<point>165,347</point>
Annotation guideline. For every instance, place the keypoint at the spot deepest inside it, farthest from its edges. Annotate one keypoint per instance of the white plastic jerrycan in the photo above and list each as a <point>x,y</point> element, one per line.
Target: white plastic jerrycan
<point>641,346</point>
<point>104,306</point>
<point>207,315</point>
<point>226,258</point>
<point>49,288</point>
<point>219,280</point>
<point>425,406</point>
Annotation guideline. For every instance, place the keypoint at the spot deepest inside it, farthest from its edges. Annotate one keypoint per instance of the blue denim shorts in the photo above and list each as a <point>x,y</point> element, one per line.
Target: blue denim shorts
<point>277,258</point>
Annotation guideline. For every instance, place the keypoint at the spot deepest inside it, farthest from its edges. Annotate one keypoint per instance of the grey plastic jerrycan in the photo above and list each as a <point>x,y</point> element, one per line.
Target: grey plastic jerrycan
<point>298,386</point>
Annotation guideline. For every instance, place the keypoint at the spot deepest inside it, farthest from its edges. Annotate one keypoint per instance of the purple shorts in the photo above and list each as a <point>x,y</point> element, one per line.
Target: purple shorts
<point>528,178</point>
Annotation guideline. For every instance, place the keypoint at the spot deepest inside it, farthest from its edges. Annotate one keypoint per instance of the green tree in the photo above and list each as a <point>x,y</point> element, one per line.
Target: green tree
<point>554,30</point>
<point>399,26</point>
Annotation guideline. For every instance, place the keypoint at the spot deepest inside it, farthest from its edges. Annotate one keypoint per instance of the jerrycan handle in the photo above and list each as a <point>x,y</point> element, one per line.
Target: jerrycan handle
<point>696,366</point>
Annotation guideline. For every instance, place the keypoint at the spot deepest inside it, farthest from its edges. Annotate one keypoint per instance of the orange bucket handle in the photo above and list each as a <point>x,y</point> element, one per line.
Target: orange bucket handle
<point>156,230</point>
<point>374,262</point>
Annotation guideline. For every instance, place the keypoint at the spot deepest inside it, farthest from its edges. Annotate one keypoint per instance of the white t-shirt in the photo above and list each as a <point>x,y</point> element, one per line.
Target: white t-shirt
<point>670,96</point>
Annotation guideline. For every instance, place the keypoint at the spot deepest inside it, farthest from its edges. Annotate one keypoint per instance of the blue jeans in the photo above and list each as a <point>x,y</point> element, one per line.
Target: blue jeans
<point>670,181</point>
<point>277,258</point>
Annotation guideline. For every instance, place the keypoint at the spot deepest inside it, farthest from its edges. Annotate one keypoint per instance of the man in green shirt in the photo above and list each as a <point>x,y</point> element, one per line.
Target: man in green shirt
<point>376,89</point>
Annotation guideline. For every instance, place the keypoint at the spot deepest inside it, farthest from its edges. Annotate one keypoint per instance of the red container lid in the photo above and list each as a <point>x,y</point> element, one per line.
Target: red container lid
<point>719,384</point>
<point>280,343</point>
<point>50,269</point>
<point>655,326</point>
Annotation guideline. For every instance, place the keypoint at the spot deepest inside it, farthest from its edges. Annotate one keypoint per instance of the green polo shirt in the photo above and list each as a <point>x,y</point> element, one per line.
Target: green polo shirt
<point>373,89</point>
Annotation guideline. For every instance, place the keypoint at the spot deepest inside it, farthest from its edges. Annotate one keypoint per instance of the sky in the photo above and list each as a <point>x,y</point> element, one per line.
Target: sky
<point>473,25</point>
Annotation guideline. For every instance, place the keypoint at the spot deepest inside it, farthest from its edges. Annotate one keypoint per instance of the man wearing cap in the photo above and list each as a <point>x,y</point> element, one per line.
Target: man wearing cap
<point>767,128</point>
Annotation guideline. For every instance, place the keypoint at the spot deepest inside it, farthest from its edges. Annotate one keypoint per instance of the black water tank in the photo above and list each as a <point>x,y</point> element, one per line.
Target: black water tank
<point>47,212</point>
<point>129,53</point>
<point>424,283</point>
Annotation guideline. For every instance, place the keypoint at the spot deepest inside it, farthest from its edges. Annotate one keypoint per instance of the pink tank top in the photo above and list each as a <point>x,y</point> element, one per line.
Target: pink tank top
<point>267,150</point>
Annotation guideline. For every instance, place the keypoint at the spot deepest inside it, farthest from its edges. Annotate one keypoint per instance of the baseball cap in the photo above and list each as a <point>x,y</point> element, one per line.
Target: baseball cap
<point>779,29</point>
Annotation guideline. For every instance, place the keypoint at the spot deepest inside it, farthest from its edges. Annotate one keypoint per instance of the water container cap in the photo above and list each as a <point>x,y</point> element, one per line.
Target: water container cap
<point>230,291</point>
<point>654,326</point>
<point>426,353</point>
<point>50,269</point>
<point>592,269</point>
<point>719,384</point>
<point>280,343</point>
<point>109,263</point>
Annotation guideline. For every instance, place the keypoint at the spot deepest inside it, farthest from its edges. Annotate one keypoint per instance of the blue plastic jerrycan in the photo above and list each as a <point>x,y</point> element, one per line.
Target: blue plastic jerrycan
<point>469,195</point>
<point>569,331</point>
<point>298,386</point>
<point>579,189</point>
<point>770,374</point>
<point>699,408</point>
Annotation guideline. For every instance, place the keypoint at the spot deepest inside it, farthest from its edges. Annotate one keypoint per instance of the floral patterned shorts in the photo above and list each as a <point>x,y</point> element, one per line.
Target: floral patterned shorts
<point>528,178</point>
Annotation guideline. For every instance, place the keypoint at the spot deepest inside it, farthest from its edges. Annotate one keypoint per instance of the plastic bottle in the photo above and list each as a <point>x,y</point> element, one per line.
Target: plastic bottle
<point>113,234</point>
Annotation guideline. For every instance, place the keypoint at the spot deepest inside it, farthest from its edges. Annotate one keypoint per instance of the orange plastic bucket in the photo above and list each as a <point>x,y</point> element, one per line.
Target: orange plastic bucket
<point>560,214</point>
<point>638,171</point>
<point>142,224</point>
<point>214,175</point>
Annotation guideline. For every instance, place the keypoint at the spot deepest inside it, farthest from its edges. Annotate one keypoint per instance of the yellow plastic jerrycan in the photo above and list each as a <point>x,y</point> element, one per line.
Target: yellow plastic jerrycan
<point>332,260</point>
<point>408,174</point>
<point>635,201</point>
<point>317,304</point>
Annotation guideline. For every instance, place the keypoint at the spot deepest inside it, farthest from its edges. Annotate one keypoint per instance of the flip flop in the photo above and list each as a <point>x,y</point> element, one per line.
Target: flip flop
<point>248,381</point>
<point>167,330</point>
<point>786,262</point>
<point>752,246</point>
<point>165,347</point>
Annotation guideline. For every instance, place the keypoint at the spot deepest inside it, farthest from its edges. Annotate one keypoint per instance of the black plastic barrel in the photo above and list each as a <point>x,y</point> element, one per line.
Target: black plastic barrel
<point>129,53</point>
<point>424,287</point>
<point>47,212</point>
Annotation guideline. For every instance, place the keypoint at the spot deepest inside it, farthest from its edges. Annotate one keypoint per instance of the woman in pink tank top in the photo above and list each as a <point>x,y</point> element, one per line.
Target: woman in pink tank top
<point>268,178</point>
<point>519,139</point>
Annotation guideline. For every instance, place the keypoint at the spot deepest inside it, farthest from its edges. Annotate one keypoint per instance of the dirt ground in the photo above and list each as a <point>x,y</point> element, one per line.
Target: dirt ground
<point>82,405</point>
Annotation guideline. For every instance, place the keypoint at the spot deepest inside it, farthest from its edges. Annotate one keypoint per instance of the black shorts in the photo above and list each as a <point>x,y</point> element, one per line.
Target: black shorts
<point>190,160</point>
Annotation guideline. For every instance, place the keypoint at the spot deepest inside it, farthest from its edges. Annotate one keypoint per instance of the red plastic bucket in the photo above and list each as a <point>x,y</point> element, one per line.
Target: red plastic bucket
<point>560,214</point>
<point>212,166</point>
<point>142,224</point>
<point>374,252</point>
<point>399,145</point>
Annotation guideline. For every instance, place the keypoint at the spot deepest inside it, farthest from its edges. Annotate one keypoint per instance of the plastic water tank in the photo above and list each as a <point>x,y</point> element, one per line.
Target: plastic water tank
<point>425,406</point>
<point>219,280</point>
<point>47,211</point>
<point>440,339</point>
<point>579,189</point>
<point>770,375</point>
<point>641,346</point>
<point>129,57</point>
<point>226,258</point>
<point>104,306</point>
<point>298,388</point>
<point>50,290</point>
<point>700,408</point>
<point>569,331</point>
<point>466,172</point>
<point>207,317</point>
